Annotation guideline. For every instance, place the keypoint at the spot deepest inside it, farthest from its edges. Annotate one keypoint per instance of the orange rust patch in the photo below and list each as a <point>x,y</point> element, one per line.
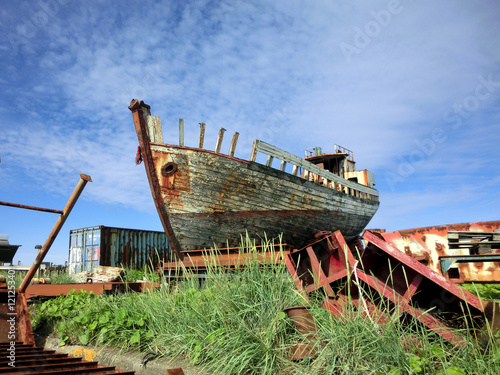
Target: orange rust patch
<point>87,354</point>
<point>439,247</point>
<point>407,250</point>
<point>172,185</point>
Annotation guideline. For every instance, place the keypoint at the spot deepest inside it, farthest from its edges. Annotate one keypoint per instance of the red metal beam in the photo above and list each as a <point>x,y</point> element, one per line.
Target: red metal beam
<point>31,207</point>
<point>384,276</point>
<point>55,231</point>
<point>54,290</point>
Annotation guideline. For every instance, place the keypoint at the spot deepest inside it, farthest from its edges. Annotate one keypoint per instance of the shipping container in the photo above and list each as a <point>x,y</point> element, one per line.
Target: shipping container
<point>117,247</point>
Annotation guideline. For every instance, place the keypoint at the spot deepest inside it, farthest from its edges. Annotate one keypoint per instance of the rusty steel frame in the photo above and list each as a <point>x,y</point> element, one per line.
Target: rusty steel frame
<point>24,331</point>
<point>33,360</point>
<point>54,290</point>
<point>15,319</point>
<point>55,231</point>
<point>439,248</point>
<point>23,320</point>
<point>379,276</point>
<point>16,205</point>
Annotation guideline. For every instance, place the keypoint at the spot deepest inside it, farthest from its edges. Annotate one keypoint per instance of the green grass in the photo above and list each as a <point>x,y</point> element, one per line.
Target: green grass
<point>18,277</point>
<point>235,324</point>
<point>488,292</point>
<point>55,277</point>
<point>131,275</point>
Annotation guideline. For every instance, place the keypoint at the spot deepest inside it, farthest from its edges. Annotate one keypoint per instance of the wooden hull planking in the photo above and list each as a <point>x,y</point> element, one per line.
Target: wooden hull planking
<point>206,199</point>
<point>213,199</point>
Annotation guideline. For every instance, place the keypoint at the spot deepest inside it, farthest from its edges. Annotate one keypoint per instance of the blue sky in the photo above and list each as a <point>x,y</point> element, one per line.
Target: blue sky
<point>412,87</point>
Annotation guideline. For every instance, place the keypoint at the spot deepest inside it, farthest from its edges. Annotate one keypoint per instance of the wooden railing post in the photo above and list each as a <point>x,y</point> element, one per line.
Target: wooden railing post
<point>202,135</point>
<point>253,156</point>
<point>219,140</point>
<point>181,132</point>
<point>311,171</point>
<point>233,144</point>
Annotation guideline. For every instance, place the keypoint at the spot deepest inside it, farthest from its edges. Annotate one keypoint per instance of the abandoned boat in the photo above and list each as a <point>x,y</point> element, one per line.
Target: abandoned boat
<point>206,198</point>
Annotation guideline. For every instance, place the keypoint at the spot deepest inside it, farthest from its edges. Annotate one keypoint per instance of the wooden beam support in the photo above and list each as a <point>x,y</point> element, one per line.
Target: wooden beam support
<point>202,135</point>
<point>181,132</point>
<point>233,144</point>
<point>219,140</point>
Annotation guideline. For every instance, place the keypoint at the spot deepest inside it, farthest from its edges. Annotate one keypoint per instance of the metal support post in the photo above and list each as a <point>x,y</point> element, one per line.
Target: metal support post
<point>55,230</point>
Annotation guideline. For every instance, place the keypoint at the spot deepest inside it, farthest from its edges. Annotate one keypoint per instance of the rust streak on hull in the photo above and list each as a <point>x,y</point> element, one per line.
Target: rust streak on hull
<point>139,111</point>
<point>213,198</point>
<point>207,199</point>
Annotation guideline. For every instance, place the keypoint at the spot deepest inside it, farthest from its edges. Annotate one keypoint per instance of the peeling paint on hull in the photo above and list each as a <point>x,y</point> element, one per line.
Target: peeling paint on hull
<point>205,198</point>
<point>213,199</point>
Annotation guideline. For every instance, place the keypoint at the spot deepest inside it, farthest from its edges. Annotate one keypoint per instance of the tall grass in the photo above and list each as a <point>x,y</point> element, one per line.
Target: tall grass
<point>54,276</point>
<point>235,324</point>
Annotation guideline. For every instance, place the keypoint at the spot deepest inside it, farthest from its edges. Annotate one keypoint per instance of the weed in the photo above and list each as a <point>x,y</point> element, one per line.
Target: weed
<point>235,325</point>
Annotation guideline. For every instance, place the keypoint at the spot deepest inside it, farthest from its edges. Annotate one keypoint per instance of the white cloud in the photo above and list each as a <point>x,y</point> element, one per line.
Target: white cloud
<point>270,71</point>
<point>53,158</point>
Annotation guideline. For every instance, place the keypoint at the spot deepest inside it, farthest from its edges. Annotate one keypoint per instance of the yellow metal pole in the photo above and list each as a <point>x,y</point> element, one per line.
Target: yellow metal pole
<point>55,230</point>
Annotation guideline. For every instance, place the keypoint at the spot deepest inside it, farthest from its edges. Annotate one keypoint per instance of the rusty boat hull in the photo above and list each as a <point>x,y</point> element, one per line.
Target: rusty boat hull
<point>213,199</point>
<point>206,198</point>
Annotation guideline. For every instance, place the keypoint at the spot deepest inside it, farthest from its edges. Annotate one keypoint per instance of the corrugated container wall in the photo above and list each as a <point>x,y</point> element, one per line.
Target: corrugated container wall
<point>116,247</point>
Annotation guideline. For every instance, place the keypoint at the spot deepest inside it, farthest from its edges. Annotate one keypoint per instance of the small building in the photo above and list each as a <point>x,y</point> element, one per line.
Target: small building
<point>117,247</point>
<point>7,251</point>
